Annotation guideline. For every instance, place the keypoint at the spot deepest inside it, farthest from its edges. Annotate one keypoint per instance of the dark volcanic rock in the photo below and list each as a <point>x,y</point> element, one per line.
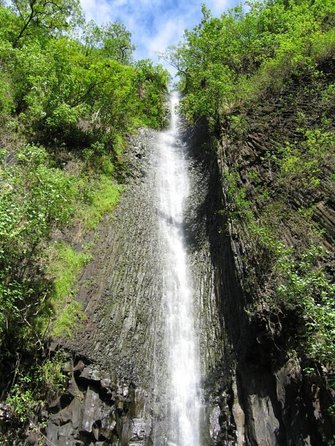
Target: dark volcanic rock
<point>121,290</point>
<point>93,418</point>
<point>254,395</point>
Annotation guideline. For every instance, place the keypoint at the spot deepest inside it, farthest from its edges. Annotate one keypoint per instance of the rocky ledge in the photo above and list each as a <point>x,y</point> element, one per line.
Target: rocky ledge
<point>93,410</point>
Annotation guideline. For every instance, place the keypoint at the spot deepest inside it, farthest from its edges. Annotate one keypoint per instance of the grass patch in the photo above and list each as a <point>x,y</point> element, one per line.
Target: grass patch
<point>64,266</point>
<point>97,197</point>
<point>101,198</point>
<point>69,316</point>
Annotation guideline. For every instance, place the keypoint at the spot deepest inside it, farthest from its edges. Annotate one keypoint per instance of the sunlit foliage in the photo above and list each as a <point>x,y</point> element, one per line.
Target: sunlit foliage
<point>70,94</point>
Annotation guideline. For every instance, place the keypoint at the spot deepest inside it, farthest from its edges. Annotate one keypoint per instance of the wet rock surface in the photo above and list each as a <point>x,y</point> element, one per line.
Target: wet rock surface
<point>123,334</point>
<point>93,410</point>
<point>119,287</point>
<point>254,395</point>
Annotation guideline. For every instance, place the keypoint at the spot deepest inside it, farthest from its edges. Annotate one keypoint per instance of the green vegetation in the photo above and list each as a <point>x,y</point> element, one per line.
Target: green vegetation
<point>263,77</point>
<point>47,378</point>
<point>102,196</point>
<point>242,56</point>
<point>35,199</point>
<point>300,286</point>
<point>66,105</point>
<point>63,267</point>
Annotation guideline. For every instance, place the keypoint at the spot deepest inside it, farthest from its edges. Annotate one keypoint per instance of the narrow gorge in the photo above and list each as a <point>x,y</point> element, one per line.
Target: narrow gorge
<point>167,259</point>
<point>153,326</point>
<point>167,354</point>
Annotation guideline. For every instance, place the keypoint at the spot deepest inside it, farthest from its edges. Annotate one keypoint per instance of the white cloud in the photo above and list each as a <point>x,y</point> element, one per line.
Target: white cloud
<point>219,6</point>
<point>97,10</point>
<point>167,33</point>
<point>154,24</point>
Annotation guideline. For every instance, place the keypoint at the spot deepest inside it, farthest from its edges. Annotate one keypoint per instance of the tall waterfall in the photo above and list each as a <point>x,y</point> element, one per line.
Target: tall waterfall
<point>181,340</point>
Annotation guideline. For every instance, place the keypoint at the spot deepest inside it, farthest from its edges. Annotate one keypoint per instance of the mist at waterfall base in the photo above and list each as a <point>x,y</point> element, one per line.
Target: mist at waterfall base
<point>183,408</point>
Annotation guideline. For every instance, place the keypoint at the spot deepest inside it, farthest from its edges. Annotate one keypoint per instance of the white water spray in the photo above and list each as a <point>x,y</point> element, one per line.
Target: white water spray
<point>183,364</point>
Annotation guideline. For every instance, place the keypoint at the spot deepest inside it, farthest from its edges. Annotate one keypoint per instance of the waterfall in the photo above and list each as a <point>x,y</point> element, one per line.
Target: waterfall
<point>181,339</point>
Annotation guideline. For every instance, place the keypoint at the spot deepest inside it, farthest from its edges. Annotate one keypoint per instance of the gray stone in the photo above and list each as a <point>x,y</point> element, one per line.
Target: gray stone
<point>53,347</point>
<point>51,433</point>
<point>106,383</point>
<point>66,434</point>
<point>73,412</point>
<point>140,428</point>
<point>92,410</point>
<point>55,403</point>
<point>214,423</point>
<point>91,374</point>
<point>67,367</point>
<point>95,410</point>
<point>79,367</point>
<point>73,389</point>
<point>95,431</point>
<point>265,423</point>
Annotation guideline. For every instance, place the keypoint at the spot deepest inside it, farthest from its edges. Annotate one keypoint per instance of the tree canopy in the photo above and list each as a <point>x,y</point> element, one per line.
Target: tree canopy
<point>241,54</point>
<point>70,94</point>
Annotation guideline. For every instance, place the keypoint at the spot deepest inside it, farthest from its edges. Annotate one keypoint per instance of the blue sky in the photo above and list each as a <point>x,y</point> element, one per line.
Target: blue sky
<point>154,24</point>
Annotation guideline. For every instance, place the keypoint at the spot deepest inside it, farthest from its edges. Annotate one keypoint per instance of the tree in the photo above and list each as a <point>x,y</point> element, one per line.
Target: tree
<point>113,41</point>
<point>50,16</point>
<point>117,42</point>
<point>34,200</point>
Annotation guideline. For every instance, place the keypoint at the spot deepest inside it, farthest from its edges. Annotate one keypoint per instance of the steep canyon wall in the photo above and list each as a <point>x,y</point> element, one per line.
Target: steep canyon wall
<point>255,394</point>
<point>119,354</point>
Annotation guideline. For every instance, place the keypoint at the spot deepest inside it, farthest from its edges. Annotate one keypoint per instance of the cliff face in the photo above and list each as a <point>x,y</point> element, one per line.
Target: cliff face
<point>257,391</point>
<point>271,400</point>
<point>262,385</point>
<point>274,397</point>
<point>117,373</point>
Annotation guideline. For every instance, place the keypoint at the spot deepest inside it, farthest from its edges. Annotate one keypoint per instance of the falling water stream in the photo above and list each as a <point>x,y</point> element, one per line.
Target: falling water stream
<point>181,341</point>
